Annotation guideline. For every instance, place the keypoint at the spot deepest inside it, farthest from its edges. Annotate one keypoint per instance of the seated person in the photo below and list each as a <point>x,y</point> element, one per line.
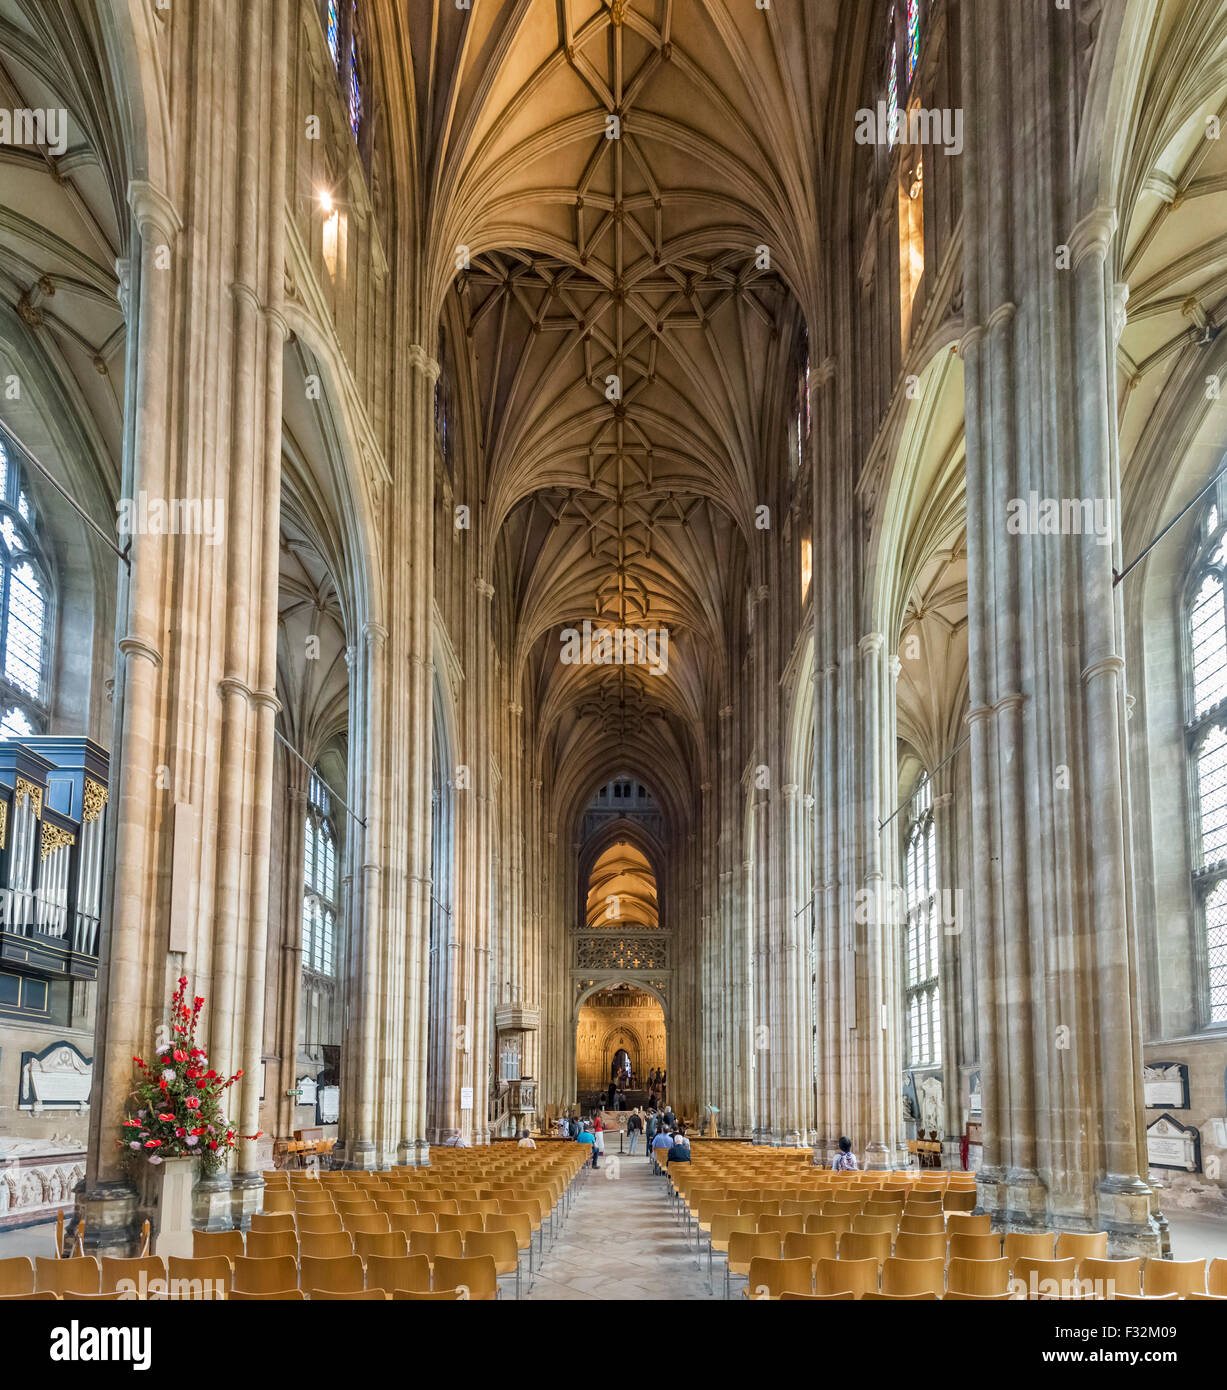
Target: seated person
<point>679,1150</point>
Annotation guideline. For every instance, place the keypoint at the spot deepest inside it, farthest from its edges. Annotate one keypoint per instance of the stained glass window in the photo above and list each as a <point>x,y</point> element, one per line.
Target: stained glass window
<point>913,37</point>
<point>334,33</point>
<point>319,904</point>
<point>892,87</point>
<point>1205,635</point>
<point>355,87</point>
<point>922,933</point>
<point>25,604</point>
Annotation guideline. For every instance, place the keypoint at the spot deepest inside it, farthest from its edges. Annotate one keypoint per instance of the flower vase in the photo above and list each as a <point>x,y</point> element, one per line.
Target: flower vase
<point>171,1184</point>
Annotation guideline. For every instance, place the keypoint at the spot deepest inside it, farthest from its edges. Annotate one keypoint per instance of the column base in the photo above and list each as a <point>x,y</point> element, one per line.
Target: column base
<point>952,1155</point>
<point>791,1139</point>
<point>877,1158</point>
<point>1123,1205</point>
<point>246,1197</point>
<point>360,1154</point>
<point>760,1135</point>
<point>213,1203</point>
<point>422,1152</point>
<point>111,1213</point>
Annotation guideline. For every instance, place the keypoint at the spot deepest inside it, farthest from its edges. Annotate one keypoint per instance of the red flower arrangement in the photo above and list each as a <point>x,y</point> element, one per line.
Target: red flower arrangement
<point>179,1099</point>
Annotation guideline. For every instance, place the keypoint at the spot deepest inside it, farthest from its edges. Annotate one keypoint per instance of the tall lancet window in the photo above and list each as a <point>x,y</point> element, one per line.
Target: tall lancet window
<point>355,83</point>
<point>25,609</point>
<point>320,889</point>
<point>332,28</point>
<point>340,19</point>
<point>922,933</point>
<point>892,83</point>
<point>913,38</point>
<point>1205,636</point>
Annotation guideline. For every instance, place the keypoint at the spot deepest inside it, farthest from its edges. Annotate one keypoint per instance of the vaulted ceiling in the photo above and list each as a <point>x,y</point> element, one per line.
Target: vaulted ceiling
<point>629,189</point>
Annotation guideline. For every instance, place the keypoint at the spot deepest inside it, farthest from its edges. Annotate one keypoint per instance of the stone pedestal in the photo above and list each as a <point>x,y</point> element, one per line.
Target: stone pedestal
<point>110,1212</point>
<point>169,1194</point>
<point>877,1158</point>
<point>1124,1207</point>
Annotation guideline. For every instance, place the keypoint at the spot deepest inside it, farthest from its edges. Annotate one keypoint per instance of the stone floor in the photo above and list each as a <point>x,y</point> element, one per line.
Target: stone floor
<point>621,1242</point>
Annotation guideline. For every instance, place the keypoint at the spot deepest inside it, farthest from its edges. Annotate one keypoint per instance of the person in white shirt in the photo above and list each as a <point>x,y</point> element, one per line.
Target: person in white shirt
<point>526,1140</point>
<point>845,1159</point>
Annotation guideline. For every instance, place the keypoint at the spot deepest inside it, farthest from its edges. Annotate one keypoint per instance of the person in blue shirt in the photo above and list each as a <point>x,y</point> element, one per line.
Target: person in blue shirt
<point>586,1136</point>
<point>660,1147</point>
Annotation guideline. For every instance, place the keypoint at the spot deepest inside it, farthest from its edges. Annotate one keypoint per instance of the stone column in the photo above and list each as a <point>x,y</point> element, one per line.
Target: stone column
<point>878,918</point>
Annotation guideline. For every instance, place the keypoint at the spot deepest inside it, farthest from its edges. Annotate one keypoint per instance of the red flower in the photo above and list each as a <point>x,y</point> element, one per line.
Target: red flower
<point>212,1143</point>
<point>192,1103</point>
<point>191,1073</point>
<point>180,1132</point>
<point>153,1143</point>
<point>238,1073</point>
<point>201,1084</point>
<point>180,1056</point>
<point>167,1118</point>
<point>199,1129</point>
<point>212,1075</point>
<point>138,1061</point>
<point>162,1086</point>
<point>183,981</point>
<point>133,1124</point>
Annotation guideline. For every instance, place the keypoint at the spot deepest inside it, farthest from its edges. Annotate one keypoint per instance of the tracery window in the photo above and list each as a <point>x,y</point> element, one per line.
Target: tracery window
<point>892,84</point>
<point>25,609</point>
<point>922,932</point>
<point>913,38</point>
<point>319,903</point>
<point>341,31</point>
<point>1205,636</point>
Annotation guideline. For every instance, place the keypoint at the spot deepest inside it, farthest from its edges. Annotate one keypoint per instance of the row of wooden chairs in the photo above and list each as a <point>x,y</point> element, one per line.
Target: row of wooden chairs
<point>469,1274</point>
<point>789,1273</point>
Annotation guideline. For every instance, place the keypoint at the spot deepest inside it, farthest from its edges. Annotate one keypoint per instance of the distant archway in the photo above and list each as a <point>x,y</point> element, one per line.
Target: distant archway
<point>614,1021</point>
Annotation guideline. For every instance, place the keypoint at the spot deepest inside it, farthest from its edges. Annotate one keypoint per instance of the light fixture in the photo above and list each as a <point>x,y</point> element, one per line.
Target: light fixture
<point>325,200</point>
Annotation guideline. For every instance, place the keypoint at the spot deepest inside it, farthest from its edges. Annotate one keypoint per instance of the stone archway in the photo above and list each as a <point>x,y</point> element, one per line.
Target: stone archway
<point>620,1016</point>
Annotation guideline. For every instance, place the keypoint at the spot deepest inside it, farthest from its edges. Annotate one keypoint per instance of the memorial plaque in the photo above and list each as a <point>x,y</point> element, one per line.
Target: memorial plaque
<point>1169,1144</point>
<point>1166,1085</point>
<point>328,1106</point>
<point>307,1090</point>
<point>57,1078</point>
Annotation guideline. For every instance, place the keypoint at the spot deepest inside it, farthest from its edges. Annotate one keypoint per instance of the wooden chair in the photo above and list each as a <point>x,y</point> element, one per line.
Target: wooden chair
<point>1081,1245</point>
<point>423,1223</point>
<point>1181,1277</point>
<point>858,1246</point>
<point>910,1245</point>
<point>439,1244</point>
<point>16,1276</point>
<point>501,1247</point>
<point>1110,1277</point>
<point>41,1296</point>
<point>958,1295</point>
<point>819,1246</point>
<point>463,1224</point>
<point>330,1274</point>
<point>1044,1279</point>
<point>352,1295</point>
<point>145,1275</point>
<point>1148,1297</point>
<point>263,1221</point>
<point>781,1225</point>
<point>769,1278</point>
<point>744,1248</point>
<point>272,1276</point>
<point>376,1223</point>
<point>875,1225</point>
<point>318,1225</point>
<point>1216,1279</point>
<point>80,1274</point>
<point>1030,1245</point>
<point>440,1206</point>
<point>278,1200</point>
<point>975,1247</point>
<point>387,1243</point>
<point>273,1296</point>
<point>1208,1298</point>
<point>519,1227</point>
<point>858,1277</point>
<point>227,1243</point>
<point>271,1245</point>
<point>979,1276</point>
<point>398,1272</point>
<point>961,1223</point>
<point>817,1297</point>
<point>476,1277</point>
<point>113,1297</point>
<point>426,1295</point>
<point>333,1245</point>
<point>207,1278</point>
<point>959,1201</point>
<point>826,1223</point>
<point>872,1297</point>
<point>911,1278</point>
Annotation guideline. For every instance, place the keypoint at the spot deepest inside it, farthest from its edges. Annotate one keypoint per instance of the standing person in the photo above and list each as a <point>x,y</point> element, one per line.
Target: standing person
<point>609,1095</point>
<point>845,1159</point>
<point>663,1082</point>
<point>598,1139</point>
<point>650,1133</point>
<point>634,1125</point>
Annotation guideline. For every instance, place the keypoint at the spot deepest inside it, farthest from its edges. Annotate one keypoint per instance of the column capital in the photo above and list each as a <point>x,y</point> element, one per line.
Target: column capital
<point>423,361</point>
<point>1093,235</point>
<point>484,588</point>
<point>375,633</point>
<point>153,210</point>
<point>872,642</point>
<point>136,646</point>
